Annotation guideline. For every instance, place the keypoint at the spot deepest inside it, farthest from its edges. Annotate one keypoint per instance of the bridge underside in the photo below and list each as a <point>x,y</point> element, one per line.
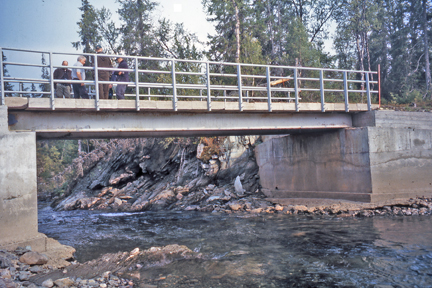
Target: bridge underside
<point>64,123</point>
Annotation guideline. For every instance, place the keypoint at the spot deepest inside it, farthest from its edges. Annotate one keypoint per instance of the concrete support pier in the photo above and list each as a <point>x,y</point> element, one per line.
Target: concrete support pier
<point>18,189</point>
<point>388,156</point>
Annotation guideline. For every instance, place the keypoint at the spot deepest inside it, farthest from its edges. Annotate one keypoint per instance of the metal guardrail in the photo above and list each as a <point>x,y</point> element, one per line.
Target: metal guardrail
<point>181,79</point>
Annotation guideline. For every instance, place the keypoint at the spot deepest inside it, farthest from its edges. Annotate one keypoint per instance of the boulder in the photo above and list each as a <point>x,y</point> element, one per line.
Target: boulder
<point>235,206</point>
<point>34,258</point>
<point>64,282</point>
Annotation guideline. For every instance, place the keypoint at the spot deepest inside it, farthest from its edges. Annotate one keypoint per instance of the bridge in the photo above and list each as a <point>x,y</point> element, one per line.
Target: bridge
<point>177,97</point>
<point>339,145</point>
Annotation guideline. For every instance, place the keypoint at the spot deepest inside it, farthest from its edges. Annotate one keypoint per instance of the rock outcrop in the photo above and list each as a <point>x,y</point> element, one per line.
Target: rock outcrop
<point>155,174</point>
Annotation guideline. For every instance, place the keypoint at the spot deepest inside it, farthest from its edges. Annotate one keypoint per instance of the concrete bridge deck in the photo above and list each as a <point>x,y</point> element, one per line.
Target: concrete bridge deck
<point>77,118</point>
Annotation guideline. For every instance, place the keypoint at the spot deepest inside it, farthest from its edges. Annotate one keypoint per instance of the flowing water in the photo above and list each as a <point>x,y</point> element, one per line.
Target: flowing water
<point>259,250</point>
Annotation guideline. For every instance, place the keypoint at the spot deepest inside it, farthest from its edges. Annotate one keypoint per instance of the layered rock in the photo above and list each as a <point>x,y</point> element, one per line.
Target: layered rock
<point>154,174</point>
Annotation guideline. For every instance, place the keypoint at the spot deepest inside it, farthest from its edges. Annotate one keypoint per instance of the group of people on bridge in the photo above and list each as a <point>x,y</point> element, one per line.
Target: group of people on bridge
<point>79,90</point>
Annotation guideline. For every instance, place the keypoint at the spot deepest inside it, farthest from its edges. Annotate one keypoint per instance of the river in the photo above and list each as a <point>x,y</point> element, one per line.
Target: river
<point>269,250</point>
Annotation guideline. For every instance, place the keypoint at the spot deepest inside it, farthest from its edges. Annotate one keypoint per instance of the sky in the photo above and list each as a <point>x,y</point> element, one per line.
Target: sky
<point>51,24</point>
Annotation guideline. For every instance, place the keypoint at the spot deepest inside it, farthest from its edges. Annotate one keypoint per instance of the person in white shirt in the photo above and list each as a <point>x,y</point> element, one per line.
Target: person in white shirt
<point>79,74</point>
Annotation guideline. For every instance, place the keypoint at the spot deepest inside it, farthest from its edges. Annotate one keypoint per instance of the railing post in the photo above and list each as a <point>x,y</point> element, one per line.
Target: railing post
<point>137,100</point>
<point>269,101</point>
<point>148,92</point>
<point>296,90</point>
<point>379,85</point>
<point>368,94</point>
<point>51,82</point>
<point>96,81</point>
<point>239,85</point>
<point>3,94</point>
<point>345,81</point>
<point>322,90</point>
<point>208,87</point>
<point>174,85</point>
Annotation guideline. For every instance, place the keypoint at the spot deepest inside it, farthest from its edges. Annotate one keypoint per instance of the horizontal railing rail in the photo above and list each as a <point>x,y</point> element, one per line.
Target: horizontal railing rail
<point>194,80</point>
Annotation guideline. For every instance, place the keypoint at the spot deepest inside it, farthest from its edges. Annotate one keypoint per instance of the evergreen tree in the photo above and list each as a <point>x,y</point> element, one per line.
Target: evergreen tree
<point>44,87</point>
<point>33,89</point>
<point>137,28</point>
<point>232,19</point>
<point>88,28</point>
<point>108,31</point>
<point>7,85</point>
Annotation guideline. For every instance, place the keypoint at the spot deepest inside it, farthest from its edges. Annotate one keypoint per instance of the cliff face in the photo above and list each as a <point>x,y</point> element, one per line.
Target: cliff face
<point>153,174</point>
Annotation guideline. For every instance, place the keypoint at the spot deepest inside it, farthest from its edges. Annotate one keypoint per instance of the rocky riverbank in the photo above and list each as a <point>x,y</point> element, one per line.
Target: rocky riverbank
<point>217,175</point>
<point>139,268</point>
<point>25,268</point>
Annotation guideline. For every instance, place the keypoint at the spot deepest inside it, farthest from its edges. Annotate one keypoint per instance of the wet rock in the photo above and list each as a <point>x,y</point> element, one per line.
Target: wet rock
<point>257,210</point>
<point>279,208</point>
<point>192,208</point>
<point>117,201</point>
<point>235,205</point>
<point>387,208</point>
<point>34,258</point>
<point>406,212</point>
<point>299,208</point>
<point>423,211</point>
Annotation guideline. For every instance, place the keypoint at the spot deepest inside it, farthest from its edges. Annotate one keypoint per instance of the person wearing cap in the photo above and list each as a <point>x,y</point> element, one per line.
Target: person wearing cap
<point>121,76</point>
<point>63,89</point>
<point>103,75</point>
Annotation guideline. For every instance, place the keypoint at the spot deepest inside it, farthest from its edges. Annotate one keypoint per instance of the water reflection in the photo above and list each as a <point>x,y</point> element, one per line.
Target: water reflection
<point>265,250</point>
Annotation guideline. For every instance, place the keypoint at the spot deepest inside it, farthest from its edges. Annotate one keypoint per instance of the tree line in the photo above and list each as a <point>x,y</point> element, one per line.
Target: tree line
<point>393,34</point>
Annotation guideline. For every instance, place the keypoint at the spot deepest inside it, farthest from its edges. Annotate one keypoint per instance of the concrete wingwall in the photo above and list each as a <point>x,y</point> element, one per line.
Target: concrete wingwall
<point>18,189</point>
<point>401,162</point>
<point>377,162</point>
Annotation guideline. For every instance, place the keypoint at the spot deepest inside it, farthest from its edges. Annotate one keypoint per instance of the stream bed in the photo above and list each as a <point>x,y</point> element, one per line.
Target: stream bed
<point>266,250</point>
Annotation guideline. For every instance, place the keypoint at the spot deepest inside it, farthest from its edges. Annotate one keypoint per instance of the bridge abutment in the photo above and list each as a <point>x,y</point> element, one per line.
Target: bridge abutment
<point>390,157</point>
<point>18,188</point>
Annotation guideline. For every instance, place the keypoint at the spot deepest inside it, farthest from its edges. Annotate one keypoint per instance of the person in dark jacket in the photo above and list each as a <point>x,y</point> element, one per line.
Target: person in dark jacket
<point>63,89</point>
<point>103,75</point>
<point>121,76</point>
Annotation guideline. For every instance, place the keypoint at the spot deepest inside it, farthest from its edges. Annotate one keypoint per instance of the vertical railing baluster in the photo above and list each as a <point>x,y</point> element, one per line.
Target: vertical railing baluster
<point>269,101</point>
<point>174,85</point>
<point>368,94</point>
<point>345,81</point>
<point>148,92</point>
<point>51,81</point>
<point>137,100</point>
<point>322,90</point>
<point>96,81</point>
<point>208,87</point>
<point>3,94</point>
<point>239,85</point>
<point>296,90</point>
